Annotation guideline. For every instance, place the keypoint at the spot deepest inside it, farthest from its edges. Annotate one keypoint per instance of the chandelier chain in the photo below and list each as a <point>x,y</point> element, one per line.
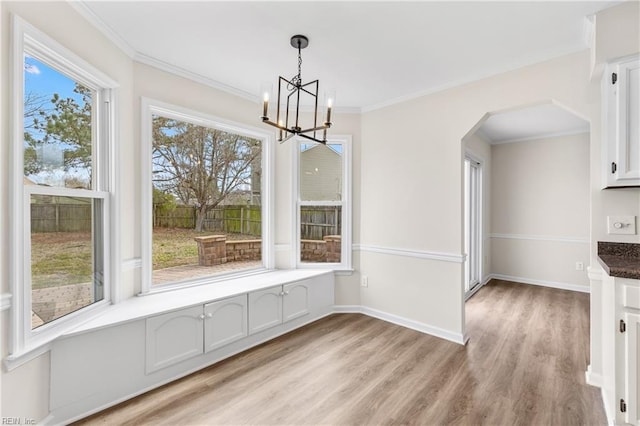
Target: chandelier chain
<point>296,81</point>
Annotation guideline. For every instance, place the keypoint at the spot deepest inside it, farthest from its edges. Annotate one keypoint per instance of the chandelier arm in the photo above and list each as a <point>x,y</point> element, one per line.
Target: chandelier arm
<point>313,139</point>
<point>271,123</point>
<point>315,129</point>
<point>287,138</point>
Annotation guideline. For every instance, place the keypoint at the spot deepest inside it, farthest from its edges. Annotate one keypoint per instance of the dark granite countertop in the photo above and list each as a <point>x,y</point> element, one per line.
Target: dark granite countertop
<point>620,260</point>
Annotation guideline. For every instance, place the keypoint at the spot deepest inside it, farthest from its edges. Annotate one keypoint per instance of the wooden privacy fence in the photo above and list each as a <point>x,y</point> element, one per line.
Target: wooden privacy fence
<point>316,222</point>
<point>228,219</point>
<point>60,217</point>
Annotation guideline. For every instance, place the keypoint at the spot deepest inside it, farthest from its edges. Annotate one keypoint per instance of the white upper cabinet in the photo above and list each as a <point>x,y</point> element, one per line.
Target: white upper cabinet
<point>621,123</point>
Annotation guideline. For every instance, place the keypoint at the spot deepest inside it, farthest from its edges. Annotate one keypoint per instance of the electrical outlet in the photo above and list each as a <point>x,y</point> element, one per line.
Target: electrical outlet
<point>364,281</point>
<point>579,266</point>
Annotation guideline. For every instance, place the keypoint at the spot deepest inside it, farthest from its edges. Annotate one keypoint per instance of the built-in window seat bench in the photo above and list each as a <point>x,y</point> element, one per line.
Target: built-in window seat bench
<point>147,341</point>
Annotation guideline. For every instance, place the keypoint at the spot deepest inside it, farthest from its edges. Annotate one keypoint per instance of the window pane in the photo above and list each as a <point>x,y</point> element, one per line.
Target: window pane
<point>57,128</point>
<point>207,214</point>
<point>321,172</point>
<point>66,269</point>
<point>320,234</point>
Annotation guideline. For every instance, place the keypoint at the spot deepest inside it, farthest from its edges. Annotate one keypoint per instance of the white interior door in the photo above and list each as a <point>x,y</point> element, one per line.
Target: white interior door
<point>473,223</point>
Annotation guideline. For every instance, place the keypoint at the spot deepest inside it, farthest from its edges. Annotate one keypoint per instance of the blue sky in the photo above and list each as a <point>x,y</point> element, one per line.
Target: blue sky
<point>42,79</point>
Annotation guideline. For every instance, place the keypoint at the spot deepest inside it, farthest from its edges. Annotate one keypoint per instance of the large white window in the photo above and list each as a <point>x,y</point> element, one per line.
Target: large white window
<point>206,210</point>
<point>61,188</point>
<point>323,207</point>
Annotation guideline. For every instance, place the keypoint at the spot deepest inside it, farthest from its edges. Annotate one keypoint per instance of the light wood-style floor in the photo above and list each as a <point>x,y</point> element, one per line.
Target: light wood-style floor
<point>524,365</point>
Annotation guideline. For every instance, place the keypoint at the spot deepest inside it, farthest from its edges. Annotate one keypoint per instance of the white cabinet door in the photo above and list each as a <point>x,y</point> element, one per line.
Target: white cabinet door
<point>621,114</point>
<point>265,309</point>
<point>225,322</point>
<point>295,300</point>
<point>174,337</point>
<point>632,367</point>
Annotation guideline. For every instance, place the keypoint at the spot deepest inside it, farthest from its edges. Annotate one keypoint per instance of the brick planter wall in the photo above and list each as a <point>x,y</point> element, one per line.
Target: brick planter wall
<point>216,250</point>
<point>212,250</point>
<point>313,250</point>
<point>244,250</point>
<point>326,250</point>
<point>333,248</point>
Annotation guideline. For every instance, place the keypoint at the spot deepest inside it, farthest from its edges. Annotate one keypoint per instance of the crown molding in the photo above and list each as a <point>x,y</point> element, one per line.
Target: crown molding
<point>198,78</point>
<point>85,11</point>
<point>540,137</point>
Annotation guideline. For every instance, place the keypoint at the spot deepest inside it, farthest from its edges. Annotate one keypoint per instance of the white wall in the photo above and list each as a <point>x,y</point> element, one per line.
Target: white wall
<point>540,207</point>
<point>418,145</point>
<point>25,390</point>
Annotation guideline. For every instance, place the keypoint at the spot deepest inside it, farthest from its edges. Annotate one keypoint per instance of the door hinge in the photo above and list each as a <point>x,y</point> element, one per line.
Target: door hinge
<point>623,406</point>
<point>614,167</point>
<point>623,326</point>
<point>614,78</point>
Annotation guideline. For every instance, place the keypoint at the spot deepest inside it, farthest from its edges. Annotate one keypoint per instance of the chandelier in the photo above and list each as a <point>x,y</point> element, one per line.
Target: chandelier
<point>290,92</point>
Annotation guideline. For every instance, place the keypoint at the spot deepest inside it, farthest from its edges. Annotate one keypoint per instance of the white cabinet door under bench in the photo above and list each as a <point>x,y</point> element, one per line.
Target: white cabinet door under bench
<point>176,336</point>
<point>225,322</point>
<point>273,306</point>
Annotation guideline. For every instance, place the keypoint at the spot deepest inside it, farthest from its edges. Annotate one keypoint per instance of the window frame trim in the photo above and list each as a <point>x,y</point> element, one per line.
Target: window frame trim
<point>346,202</point>
<point>27,39</point>
<point>150,107</point>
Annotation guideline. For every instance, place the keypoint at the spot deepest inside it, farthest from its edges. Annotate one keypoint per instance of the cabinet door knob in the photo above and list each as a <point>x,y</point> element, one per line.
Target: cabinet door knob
<point>286,292</point>
<point>201,316</point>
<point>209,315</point>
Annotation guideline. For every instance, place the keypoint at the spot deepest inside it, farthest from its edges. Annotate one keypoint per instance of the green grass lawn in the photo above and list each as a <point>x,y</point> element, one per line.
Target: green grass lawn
<point>62,258</point>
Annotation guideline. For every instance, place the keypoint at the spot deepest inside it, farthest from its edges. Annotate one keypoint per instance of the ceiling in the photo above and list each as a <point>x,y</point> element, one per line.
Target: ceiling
<point>531,122</point>
<point>372,53</point>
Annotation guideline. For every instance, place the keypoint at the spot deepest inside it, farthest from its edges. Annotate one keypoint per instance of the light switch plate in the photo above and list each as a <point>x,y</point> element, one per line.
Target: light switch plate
<point>625,225</point>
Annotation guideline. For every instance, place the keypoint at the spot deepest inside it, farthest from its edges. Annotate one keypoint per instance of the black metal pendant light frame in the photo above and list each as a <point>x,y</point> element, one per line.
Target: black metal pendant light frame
<point>292,90</point>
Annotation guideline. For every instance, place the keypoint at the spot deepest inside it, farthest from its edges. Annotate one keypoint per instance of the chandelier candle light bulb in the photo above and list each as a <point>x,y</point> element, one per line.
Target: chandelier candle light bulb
<point>266,89</point>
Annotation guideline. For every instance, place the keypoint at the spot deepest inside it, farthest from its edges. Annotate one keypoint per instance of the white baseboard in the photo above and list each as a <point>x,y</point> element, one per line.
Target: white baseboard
<point>608,411</point>
<point>5,301</point>
<point>477,288</point>
<point>592,378</point>
<point>542,283</point>
<point>404,322</point>
<point>347,309</point>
